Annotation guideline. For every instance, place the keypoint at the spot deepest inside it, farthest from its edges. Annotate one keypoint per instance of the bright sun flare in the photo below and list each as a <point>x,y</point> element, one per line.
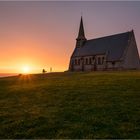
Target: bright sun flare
<point>26,69</point>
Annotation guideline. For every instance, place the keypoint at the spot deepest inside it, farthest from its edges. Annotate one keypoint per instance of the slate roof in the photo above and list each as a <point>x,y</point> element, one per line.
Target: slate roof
<point>113,45</point>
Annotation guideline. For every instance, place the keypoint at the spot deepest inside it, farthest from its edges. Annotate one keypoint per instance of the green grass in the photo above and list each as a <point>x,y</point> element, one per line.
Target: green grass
<point>71,105</point>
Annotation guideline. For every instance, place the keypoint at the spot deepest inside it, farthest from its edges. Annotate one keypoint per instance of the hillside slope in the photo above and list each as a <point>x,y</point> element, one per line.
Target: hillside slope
<point>71,105</point>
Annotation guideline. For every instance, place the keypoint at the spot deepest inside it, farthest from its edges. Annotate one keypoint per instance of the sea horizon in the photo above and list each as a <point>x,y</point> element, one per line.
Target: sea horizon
<point>8,74</point>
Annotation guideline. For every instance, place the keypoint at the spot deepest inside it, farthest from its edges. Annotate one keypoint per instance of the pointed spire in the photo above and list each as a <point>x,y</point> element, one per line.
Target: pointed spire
<point>81,34</point>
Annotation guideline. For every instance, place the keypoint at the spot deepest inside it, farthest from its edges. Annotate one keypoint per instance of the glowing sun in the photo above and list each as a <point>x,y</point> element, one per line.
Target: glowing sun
<point>26,69</point>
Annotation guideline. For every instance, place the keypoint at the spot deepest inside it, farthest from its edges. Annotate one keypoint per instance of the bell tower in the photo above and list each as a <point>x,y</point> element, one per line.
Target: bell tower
<point>80,40</point>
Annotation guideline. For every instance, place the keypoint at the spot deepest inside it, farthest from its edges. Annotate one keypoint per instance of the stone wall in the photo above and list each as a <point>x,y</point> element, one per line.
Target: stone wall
<point>115,65</point>
<point>88,63</point>
<point>131,57</point>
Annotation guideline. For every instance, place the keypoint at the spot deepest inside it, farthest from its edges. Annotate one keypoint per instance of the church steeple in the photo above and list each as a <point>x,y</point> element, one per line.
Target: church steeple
<point>81,35</point>
<point>81,30</point>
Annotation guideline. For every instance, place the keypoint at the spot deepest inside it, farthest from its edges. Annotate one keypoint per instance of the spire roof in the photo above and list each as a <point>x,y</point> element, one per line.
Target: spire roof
<point>81,34</point>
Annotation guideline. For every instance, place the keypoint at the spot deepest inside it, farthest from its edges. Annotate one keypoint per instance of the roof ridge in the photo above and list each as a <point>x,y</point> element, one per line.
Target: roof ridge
<point>110,35</point>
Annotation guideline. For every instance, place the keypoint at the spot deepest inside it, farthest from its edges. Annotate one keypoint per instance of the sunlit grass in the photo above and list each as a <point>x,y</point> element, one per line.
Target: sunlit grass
<point>71,105</point>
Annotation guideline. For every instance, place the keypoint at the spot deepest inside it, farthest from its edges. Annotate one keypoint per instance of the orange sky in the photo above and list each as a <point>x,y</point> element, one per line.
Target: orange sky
<point>42,34</point>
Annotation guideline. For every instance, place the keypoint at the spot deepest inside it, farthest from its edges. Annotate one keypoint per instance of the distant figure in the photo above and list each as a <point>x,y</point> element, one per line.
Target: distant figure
<point>50,69</point>
<point>44,71</point>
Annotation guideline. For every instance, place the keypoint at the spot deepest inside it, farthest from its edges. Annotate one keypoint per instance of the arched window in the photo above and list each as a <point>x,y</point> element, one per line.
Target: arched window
<point>86,61</point>
<point>90,60</point>
<point>78,43</point>
<point>75,61</point>
<point>72,62</point>
<point>99,60</point>
<point>103,60</point>
<point>78,61</point>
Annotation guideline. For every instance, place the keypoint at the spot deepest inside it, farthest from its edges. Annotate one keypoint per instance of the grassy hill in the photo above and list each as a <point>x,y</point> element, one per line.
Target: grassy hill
<point>71,105</point>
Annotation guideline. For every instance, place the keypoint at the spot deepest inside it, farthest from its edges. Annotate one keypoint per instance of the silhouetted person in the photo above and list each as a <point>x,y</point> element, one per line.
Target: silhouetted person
<point>50,69</point>
<point>44,71</point>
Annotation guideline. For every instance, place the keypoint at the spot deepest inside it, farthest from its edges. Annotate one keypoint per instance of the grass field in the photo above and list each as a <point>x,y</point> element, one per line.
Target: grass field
<point>71,105</point>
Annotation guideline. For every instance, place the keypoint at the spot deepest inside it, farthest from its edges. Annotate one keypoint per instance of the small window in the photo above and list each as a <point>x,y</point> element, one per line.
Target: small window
<point>113,63</point>
<point>78,43</point>
<point>103,60</point>
<point>99,61</point>
<point>78,61</point>
<point>90,61</point>
<point>75,61</point>
<point>72,62</point>
<point>86,61</point>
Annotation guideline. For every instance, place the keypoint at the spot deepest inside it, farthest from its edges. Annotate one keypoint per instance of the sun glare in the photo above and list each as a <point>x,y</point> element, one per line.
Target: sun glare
<point>26,69</point>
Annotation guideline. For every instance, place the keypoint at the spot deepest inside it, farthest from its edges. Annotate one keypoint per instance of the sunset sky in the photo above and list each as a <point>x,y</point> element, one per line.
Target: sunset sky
<point>41,35</point>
